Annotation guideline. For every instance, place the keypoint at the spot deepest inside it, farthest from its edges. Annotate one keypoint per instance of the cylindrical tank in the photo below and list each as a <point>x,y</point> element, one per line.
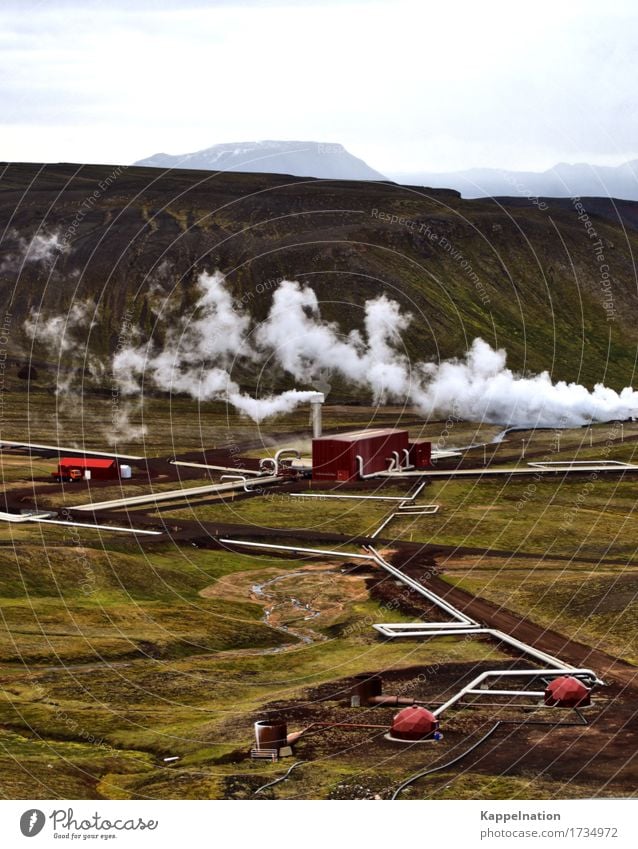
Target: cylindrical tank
<point>126,471</point>
<point>413,723</point>
<point>271,734</point>
<point>567,692</point>
<point>365,687</point>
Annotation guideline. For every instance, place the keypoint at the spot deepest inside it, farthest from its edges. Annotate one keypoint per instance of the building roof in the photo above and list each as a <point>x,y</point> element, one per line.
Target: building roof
<point>356,435</point>
<point>86,462</point>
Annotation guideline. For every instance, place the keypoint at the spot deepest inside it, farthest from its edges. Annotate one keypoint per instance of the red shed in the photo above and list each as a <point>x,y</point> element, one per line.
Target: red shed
<point>334,458</point>
<point>74,468</point>
<point>421,453</point>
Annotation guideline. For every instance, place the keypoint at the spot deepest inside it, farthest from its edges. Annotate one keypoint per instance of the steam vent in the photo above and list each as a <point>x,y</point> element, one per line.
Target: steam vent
<point>413,724</point>
<point>567,692</point>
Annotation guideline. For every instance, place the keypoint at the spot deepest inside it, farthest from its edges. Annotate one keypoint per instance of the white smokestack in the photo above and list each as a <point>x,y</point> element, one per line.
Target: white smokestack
<point>315,405</point>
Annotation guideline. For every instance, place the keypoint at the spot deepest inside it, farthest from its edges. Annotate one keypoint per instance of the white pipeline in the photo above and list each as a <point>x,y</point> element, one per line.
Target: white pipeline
<point>237,469</point>
<point>174,494</point>
<point>61,450</point>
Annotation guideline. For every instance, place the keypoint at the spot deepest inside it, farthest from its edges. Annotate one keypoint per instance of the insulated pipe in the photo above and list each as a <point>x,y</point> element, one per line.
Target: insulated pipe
<point>362,475</point>
<point>456,614</point>
<point>427,631</point>
<point>356,497</point>
<point>63,452</point>
<point>343,555</point>
<point>214,468</point>
<point>536,693</point>
<point>240,478</point>
<point>277,458</point>
<point>513,472</point>
<point>279,454</point>
<point>397,460</point>
<point>391,701</point>
<point>514,673</point>
<point>95,527</point>
<point>407,465</point>
<point>173,495</point>
<point>382,525</point>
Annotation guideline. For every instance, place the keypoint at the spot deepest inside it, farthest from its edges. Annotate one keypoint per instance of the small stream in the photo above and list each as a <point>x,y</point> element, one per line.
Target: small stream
<point>310,613</point>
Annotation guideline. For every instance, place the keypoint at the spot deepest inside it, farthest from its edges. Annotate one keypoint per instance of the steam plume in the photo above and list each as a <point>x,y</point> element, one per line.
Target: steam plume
<point>201,351</point>
<point>44,248</point>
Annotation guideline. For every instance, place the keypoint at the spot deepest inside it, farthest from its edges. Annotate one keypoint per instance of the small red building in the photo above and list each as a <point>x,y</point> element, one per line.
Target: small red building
<point>421,453</point>
<point>334,458</point>
<point>75,468</point>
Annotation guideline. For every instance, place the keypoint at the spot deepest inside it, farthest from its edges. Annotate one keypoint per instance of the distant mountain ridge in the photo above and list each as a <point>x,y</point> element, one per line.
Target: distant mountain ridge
<point>563,180</point>
<point>298,158</point>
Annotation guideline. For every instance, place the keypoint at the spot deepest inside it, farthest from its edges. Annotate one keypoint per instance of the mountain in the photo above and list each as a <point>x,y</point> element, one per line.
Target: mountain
<point>557,291</point>
<point>563,180</point>
<point>299,158</point>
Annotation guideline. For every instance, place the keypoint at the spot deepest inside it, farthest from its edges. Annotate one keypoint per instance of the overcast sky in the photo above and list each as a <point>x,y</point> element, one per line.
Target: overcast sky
<point>405,85</point>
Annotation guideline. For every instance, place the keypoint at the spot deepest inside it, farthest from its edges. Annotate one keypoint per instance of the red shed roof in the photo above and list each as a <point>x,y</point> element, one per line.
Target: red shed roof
<point>355,435</point>
<point>86,462</point>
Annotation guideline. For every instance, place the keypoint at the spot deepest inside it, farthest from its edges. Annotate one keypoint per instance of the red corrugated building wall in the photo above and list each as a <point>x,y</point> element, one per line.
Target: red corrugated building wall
<point>101,469</point>
<point>334,458</point>
<point>421,453</point>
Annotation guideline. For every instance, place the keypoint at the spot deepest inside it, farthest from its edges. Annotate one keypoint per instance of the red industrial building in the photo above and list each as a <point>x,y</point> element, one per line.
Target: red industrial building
<point>76,468</point>
<point>359,453</point>
<point>334,458</point>
<point>420,453</point>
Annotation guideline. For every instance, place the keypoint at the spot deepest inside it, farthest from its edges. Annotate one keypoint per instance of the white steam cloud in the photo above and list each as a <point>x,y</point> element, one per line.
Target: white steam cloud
<point>201,351</point>
<point>43,248</point>
<point>60,332</point>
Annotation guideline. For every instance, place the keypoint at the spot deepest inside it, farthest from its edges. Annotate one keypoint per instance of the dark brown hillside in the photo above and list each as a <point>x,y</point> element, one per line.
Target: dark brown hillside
<point>519,275</point>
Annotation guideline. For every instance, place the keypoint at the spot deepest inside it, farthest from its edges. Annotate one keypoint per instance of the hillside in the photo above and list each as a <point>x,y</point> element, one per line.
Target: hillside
<point>522,275</point>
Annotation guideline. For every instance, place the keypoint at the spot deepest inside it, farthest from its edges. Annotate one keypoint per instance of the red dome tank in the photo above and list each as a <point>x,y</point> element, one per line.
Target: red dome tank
<point>413,723</point>
<point>567,692</point>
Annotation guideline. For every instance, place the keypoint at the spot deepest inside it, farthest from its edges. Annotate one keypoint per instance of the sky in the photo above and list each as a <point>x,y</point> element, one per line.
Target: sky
<point>406,85</point>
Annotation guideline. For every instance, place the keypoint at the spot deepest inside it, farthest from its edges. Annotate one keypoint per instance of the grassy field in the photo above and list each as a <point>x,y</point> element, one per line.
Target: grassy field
<point>596,604</point>
<point>280,510</point>
<point>576,517</point>
<point>112,659</point>
<point>114,656</point>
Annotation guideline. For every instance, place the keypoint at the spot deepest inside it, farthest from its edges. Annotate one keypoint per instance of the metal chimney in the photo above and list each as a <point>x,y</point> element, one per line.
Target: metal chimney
<point>315,406</point>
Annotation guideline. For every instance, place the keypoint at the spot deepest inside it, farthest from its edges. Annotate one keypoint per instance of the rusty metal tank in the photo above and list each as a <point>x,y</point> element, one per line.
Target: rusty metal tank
<point>365,688</point>
<point>271,734</point>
